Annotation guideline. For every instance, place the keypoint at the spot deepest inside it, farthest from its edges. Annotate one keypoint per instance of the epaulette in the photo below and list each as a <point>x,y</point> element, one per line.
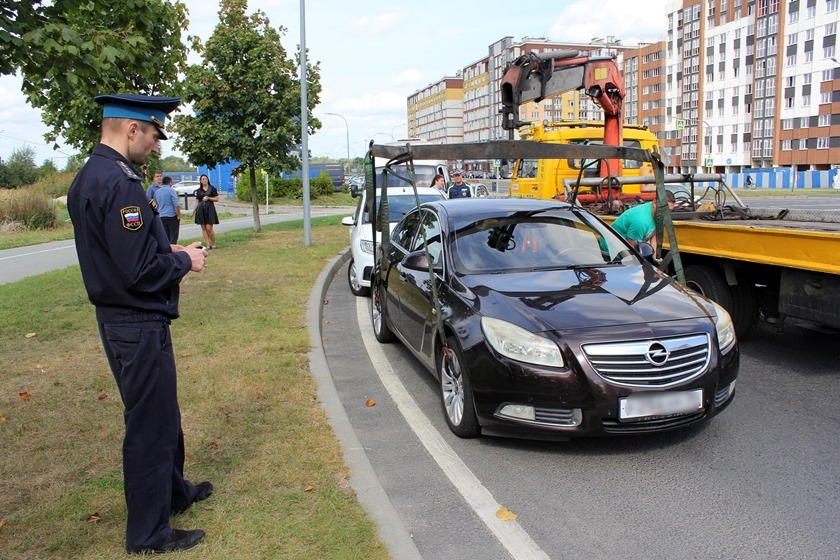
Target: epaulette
<point>128,171</point>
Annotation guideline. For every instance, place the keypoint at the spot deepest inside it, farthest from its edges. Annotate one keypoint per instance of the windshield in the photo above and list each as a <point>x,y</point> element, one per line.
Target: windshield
<point>423,175</point>
<point>593,169</point>
<point>548,240</point>
<point>400,204</point>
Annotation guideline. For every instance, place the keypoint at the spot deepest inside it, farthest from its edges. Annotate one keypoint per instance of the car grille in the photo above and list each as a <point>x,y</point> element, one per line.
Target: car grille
<point>557,416</point>
<point>651,363</point>
<point>641,426</point>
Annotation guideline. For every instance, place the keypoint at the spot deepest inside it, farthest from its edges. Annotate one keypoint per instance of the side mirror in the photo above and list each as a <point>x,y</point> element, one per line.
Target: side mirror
<point>348,221</point>
<point>418,260</point>
<point>645,250</point>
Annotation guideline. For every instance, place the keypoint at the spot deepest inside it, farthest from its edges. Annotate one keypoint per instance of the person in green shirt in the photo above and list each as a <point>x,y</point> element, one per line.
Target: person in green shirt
<point>638,224</point>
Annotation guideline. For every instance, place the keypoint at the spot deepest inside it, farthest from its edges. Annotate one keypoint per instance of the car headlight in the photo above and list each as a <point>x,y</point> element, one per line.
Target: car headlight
<point>725,328</point>
<point>366,246</point>
<point>518,344</point>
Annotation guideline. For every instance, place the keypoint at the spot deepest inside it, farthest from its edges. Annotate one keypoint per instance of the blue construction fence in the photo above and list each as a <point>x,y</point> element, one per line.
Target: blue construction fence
<point>782,178</point>
<point>222,177</point>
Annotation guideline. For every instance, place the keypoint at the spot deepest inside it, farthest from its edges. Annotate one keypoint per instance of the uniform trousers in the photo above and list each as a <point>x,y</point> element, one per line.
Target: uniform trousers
<point>172,226</point>
<point>139,351</point>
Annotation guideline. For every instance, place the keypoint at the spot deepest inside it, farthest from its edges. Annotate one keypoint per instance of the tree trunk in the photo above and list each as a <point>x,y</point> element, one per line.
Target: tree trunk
<point>252,177</point>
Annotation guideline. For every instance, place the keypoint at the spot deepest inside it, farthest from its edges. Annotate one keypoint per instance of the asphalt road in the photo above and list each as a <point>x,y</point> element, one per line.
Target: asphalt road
<point>18,263</point>
<point>759,481</point>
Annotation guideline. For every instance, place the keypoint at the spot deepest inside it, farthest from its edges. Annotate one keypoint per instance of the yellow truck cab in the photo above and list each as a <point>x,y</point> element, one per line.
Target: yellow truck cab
<point>543,178</point>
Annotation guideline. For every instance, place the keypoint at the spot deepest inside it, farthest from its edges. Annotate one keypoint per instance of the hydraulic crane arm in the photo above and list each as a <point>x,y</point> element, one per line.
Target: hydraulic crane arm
<point>534,76</point>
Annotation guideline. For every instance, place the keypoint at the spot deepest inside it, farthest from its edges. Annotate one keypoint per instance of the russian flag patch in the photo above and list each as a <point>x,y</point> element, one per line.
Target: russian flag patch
<point>132,219</point>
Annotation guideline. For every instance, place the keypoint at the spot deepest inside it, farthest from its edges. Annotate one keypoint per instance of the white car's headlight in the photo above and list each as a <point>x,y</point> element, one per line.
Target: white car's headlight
<point>725,328</point>
<point>518,344</point>
<point>366,246</point>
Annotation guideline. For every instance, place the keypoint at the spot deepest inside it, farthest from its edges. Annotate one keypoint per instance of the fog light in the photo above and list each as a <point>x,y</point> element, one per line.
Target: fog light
<point>522,411</point>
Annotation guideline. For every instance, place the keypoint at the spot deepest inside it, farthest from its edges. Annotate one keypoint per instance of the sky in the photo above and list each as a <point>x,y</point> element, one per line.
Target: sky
<point>374,54</point>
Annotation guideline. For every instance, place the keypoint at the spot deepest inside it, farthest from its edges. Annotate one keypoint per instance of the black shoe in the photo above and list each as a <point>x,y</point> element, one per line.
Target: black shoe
<point>178,540</point>
<point>203,491</point>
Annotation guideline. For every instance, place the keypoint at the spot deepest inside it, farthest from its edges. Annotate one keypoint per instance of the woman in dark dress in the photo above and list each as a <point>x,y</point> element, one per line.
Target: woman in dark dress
<point>205,211</point>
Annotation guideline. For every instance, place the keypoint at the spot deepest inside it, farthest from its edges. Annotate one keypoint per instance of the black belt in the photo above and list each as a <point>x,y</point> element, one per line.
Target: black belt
<point>105,315</point>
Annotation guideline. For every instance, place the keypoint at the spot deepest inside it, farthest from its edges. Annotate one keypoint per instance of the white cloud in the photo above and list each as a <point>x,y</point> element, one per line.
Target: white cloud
<point>631,21</point>
<point>408,76</point>
<point>377,23</point>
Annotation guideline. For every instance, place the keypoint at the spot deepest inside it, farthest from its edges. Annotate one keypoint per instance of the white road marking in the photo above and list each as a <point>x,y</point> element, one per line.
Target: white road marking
<point>71,246</point>
<point>510,534</point>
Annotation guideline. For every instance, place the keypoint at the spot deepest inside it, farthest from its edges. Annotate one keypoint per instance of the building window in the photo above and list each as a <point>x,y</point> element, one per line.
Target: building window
<point>786,145</point>
<point>822,143</point>
<point>824,120</point>
<point>830,6</point>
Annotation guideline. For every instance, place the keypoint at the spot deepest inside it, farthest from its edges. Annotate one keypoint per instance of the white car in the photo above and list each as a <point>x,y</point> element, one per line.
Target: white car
<point>400,201</point>
<point>186,187</point>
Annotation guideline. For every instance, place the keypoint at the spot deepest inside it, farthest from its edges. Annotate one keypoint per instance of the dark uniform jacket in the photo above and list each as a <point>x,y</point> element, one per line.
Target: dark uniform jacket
<point>127,263</point>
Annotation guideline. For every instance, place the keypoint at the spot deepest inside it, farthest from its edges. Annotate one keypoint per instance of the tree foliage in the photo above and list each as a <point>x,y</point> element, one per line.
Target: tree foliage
<point>68,51</point>
<point>246,98</point>
<point>20,169</point>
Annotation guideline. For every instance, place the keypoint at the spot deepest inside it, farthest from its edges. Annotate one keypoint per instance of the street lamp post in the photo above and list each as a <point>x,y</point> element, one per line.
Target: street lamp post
<point>347,126</point>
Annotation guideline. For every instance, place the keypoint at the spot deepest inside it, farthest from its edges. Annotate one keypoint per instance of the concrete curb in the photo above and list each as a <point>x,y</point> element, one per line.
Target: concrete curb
<point>362,477</point>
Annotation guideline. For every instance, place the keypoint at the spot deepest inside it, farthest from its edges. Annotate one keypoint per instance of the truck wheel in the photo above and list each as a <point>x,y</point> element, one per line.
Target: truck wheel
<point>739,300</point>
<point>745,304</point>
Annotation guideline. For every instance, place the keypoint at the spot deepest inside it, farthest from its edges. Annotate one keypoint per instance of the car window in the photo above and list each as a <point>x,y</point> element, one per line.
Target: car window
<point>423,175</point>
<point>592,170</point>
<point>405,231</point>
<point>548,240</point>
<point>400,204</point>
<point>429,227</point>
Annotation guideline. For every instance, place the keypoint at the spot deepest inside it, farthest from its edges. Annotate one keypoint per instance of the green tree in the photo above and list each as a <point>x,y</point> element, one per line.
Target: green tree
<point>68,51</point>
<point>21,168</point>
<point>47,168</point>
<point>174,163</point>
<point>246,98</point>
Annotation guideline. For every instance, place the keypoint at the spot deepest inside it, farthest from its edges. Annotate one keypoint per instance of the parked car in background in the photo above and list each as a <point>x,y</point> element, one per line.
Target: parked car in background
<point>186,187</point>
<point>548,324</point>
<point>400,201</point>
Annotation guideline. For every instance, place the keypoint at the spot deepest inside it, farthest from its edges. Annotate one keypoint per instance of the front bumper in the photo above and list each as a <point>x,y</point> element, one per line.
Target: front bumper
<point>577,401</point>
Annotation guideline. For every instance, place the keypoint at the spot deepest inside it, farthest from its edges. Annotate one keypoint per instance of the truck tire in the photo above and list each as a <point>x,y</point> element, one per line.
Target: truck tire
<point>740,300</point>
<point>745,305</point>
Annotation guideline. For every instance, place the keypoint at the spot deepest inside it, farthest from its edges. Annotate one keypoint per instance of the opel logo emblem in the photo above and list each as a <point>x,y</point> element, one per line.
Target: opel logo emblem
<point>657,354</point>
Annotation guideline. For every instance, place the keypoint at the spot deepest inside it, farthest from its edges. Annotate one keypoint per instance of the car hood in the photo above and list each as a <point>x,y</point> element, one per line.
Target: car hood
<point>564,300</point>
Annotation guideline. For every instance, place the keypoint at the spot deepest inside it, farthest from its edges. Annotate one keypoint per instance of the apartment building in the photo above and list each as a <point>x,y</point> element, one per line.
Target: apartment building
<point>480,101</point>
<point>752,84</point>
<point>436,113</point>
<point>735,85</point>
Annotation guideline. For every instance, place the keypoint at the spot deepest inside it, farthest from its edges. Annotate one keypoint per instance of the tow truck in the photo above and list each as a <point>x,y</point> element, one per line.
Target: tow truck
<point>773,263</point>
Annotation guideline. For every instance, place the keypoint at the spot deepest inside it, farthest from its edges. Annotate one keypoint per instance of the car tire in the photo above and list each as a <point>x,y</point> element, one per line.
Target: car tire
<point>353,280</point>
<point>456,392</point>
<point>378,315</point>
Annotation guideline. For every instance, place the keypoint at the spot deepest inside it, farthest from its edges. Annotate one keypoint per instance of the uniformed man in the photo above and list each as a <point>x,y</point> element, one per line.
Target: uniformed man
<point>460,189</point>
<point>131,274</point>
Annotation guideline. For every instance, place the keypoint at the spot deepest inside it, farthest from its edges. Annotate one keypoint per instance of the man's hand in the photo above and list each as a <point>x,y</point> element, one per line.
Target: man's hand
<point>196,253</point>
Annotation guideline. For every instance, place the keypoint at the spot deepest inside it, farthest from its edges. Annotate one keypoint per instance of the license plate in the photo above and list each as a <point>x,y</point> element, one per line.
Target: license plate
<point>647,405</point>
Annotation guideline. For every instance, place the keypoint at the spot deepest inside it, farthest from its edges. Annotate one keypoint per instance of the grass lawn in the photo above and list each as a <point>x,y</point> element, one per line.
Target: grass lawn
<point>252,420</point>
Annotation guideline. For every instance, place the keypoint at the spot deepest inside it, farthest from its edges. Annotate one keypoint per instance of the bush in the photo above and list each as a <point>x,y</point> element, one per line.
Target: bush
<point>286,188</point>
<point>55,185</point>
<point>29,207</point>
<point>321,185</point>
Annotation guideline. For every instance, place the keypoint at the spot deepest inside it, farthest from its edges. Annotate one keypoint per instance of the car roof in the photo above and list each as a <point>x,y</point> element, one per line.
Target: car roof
<point>407,190</point>
<point>467,206</point>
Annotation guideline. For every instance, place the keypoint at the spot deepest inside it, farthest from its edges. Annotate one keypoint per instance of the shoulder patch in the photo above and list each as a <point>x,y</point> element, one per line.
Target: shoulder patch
<point>154,205</point>
<point>131,218</point>
<point>128,171</point>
